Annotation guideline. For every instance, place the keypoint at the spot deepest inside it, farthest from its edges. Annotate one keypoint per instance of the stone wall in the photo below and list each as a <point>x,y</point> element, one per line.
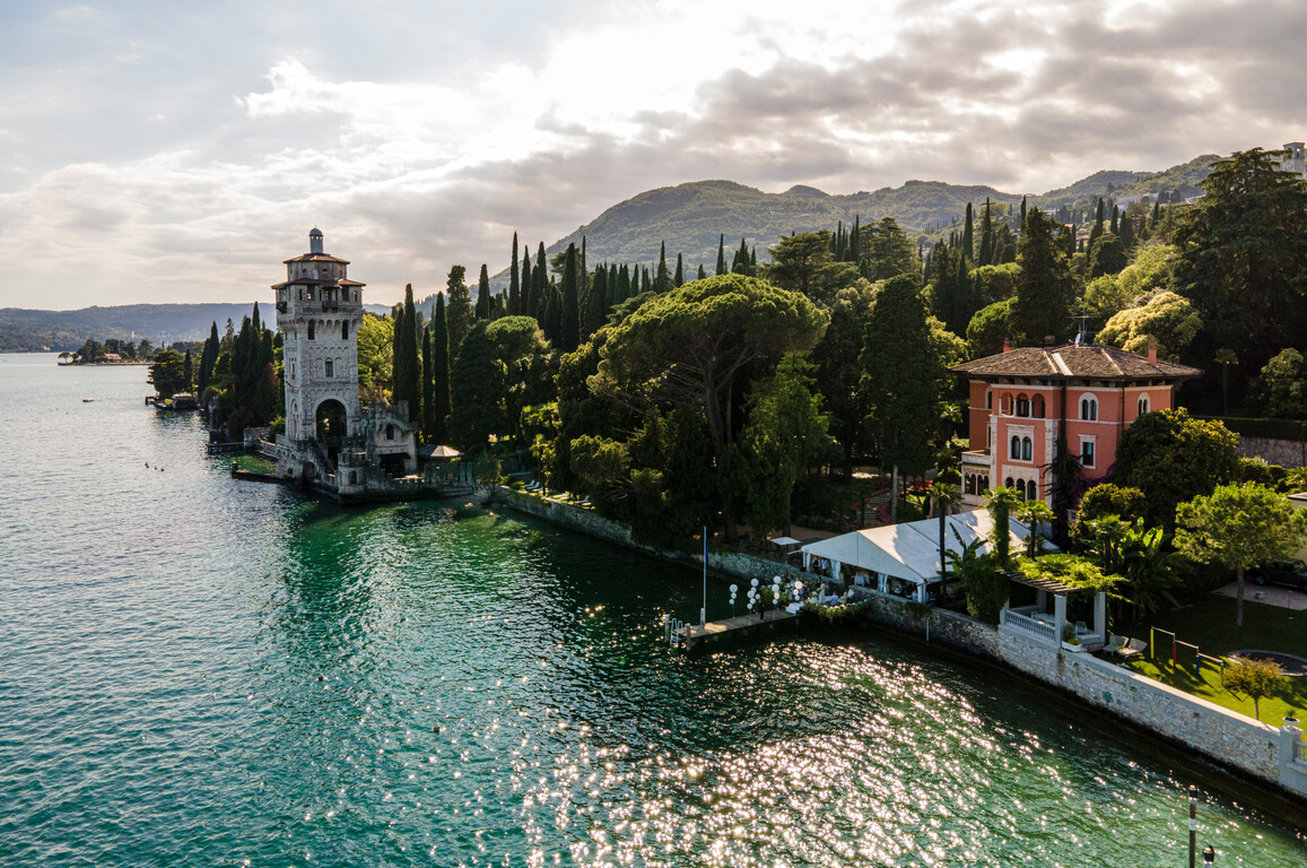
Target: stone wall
<point>1223,735</point>
<point>1286,453</point>
<point>936,625</point>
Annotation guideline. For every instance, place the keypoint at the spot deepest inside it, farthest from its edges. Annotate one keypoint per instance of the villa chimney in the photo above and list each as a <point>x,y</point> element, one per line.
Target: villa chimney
<point>1152,351</point>
<point>1007,345</point>
<point>1049,340</point>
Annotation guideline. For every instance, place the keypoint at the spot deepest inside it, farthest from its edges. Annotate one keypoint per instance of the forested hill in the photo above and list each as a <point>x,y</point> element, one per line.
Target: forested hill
<point>23,330</point>
<point>691,217</point>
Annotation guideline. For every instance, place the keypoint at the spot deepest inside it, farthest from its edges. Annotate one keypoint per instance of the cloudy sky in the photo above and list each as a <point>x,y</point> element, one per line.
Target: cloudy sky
<point>164,151</point>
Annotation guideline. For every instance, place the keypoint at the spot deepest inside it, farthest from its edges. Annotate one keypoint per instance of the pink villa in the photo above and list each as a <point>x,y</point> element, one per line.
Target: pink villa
<point>1021,399</point>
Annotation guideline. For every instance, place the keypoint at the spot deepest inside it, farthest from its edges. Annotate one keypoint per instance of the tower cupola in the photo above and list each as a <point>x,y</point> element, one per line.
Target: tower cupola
<point>315,240</point>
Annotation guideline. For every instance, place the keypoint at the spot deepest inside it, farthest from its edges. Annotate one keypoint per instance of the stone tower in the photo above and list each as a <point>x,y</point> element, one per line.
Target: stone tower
<point>319,312</point>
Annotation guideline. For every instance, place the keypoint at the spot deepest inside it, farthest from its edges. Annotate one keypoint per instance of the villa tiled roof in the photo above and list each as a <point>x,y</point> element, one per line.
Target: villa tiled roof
<point>1071,361</point>
<point>315,257</point>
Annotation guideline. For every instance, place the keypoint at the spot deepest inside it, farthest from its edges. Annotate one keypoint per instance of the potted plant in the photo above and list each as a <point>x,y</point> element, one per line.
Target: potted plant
<point>1069,640</point>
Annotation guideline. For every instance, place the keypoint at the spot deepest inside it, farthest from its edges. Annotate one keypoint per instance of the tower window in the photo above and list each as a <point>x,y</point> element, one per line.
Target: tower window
<point>310,329</point>
<point>390,432</point>
<point>329,368</point>
<point>344,330</point>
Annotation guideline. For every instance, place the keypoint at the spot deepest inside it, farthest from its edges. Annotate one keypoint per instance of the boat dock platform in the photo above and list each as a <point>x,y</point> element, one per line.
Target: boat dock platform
<point>716,635</point>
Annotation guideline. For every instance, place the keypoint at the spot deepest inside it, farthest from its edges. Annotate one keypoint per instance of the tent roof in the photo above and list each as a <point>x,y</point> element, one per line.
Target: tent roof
<point>911,550</point>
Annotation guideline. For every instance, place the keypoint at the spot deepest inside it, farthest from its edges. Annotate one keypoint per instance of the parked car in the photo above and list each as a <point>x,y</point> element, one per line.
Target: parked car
<point>1291,573</point>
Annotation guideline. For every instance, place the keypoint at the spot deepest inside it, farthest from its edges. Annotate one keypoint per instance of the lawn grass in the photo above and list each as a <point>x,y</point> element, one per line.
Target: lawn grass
<point>1209,624</point>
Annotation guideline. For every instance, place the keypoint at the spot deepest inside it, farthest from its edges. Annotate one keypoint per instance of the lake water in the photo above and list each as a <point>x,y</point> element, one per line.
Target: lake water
<point>195,670</point>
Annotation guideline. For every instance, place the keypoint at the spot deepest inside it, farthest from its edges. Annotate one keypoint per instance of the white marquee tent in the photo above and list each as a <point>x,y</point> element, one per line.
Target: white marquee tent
<point>908,552</point>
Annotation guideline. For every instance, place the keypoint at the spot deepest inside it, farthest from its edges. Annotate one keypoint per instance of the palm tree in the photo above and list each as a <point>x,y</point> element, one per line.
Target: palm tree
<point>1151,572</point>
<point>1001,502</point>
<point>946,496</point>
<point>1034,513</point>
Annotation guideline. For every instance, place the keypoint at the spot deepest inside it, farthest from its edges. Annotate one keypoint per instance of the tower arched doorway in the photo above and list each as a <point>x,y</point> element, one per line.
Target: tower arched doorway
<point>330,420</point>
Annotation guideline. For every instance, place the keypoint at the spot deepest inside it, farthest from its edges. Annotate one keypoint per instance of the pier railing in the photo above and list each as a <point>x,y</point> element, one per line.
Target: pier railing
<point>1300,752</point>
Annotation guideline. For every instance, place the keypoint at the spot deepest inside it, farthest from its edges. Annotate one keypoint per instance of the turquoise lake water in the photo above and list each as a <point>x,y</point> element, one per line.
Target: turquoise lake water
<point>199,671</point>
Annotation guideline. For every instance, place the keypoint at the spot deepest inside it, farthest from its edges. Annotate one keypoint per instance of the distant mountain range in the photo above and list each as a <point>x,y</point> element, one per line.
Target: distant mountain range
<point>689,218</point>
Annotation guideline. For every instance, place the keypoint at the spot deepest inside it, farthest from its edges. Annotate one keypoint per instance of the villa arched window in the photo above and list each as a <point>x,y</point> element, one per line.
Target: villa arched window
<point>1016,447</point>
<point>989,399</point>
<point>1037,407</point>
<point>1023,406</point>
<point>1143,405</point>
<point>1005,405</point>
<point>1089,409</point>
<point>1032,490</point>
<point>1027,448</point>
<point>1008,482</point>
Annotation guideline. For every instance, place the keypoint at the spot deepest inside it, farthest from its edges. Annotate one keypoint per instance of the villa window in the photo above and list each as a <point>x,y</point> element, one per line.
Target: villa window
<point>1089,409</point>
<point>1027,449</point>
<point>1016,447</point>
<point>1008,483</point>
<point>969,484</point>
<point>1005,405</point>
<point>1023,406</point>
<point>982,484</point>
<point>1032,490</point>
<point>1037,407</point>
<point>1086,453</point>
<point>390,432</point>
<point>329,368</point>
<point>1143,405</point>
<point>989,399</point>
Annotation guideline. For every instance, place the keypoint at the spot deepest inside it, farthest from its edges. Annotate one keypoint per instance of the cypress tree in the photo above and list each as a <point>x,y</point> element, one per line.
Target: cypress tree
<point>678,278</point>
<point>721,254</point>
<point>569,329</point>
<point>440,373</point>
<point>483,294</point>
<point>1096,232</point>
<point>208,359</point>
<point>702,275</point>
<point>968,236</point>
<point>753,261</point>
<point>1116,220</point>
<point>188,371</point>
<point>986,256</point>
<point>514,287</point>
<point>524,293</point>
<point>663,281</point>
<point>540,285</point>
<point>553,325</point>
<point>646,285</point>
<point>854,253</point>
<point>459,313</point>
<point>410,390</point>
<point>596,304</point>
<point>740,262</point>
<point>1127,233</point>
<point>1022,225</point>
<point>428,389</point>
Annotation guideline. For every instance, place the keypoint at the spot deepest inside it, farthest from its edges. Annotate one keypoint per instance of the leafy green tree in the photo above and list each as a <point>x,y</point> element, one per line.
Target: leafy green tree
<point>1280,390</point>
<point>840,371</point>
<point>784,434</point>
<point>1171,458</point>
<point>1252,677</point>
<point>804,263</point>
<point>167,373</point>
<point>1106,498</point>
<point>1242,249</point>
<point>902,379</point>
<point>497,372</point>
<point>1046,291</point>
<point>1167,318</point>
<point>691,345</point>
<point>989,328</point>
<point>1239,526</point>
<point>375,343</point>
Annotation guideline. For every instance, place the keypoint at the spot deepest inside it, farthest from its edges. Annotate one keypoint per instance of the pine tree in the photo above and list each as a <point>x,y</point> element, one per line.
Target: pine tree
<point>459,307</point>
<point>721,254</point>
<point>514,286</point>
<point>440,373</point>
<point>483,294</point>
<point>569,329</point>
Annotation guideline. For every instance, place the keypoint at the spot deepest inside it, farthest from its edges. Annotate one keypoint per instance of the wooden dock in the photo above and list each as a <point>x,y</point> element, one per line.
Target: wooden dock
<point>734,631</point>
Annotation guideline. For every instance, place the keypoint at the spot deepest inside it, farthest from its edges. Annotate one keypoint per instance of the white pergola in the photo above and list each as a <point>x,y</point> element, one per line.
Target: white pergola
<point>908,551</point>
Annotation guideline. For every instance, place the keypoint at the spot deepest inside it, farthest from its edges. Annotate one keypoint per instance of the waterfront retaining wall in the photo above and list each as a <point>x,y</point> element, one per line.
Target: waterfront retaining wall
<point>1255,748</point>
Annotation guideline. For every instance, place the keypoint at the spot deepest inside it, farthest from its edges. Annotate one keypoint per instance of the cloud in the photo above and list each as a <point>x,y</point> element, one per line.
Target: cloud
<point>536,123</point>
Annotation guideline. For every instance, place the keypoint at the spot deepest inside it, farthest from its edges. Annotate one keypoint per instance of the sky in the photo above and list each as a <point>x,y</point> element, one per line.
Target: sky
<point>179,152</point>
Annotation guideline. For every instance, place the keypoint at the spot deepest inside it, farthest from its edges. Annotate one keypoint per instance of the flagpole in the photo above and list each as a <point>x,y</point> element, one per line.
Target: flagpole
<point>703,613</point>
